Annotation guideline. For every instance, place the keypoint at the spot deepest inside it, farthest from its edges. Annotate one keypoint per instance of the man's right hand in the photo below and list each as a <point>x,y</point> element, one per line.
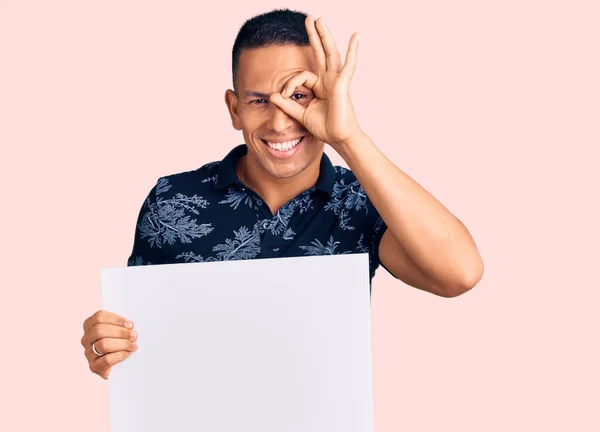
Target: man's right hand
<point>114,337</point>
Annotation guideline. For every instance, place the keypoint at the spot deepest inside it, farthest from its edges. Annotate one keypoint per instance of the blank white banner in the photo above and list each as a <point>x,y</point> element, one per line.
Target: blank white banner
<point>269,345</point>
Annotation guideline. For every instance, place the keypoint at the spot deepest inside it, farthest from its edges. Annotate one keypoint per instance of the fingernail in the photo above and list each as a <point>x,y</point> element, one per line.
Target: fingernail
<point>133,335</point>
<point>135,346</point>
<point>128,324</point>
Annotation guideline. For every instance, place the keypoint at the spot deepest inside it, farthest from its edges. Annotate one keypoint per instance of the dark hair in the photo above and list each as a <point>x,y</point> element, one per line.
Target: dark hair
<point>278,27</point>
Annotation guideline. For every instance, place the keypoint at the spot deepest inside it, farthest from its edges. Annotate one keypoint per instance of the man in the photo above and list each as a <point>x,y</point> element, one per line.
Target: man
<point>279,195</point>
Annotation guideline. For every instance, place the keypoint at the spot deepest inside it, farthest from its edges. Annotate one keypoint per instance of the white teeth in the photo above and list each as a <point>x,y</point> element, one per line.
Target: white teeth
<point>288,145</point>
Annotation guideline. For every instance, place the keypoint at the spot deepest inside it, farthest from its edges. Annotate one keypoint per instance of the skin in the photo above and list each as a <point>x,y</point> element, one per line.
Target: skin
<point>265,71</point>
<point>114,337</point>
<point>305,91</point>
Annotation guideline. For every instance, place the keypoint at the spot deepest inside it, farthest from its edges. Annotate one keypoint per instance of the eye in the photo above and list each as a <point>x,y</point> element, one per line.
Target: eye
<point>298,94</point>
<point>256,101</point>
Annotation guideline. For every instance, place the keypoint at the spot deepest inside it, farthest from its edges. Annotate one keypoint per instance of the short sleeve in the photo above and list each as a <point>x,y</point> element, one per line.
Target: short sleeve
<point>147,248</point>
<point>375,228</point>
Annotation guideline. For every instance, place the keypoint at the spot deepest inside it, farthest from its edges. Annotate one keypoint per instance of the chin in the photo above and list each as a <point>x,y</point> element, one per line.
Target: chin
<point>286,174</point>
<point>289,169</point>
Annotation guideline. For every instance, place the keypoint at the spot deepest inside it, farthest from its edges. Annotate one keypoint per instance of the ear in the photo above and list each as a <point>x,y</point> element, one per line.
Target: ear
<point>231,100</point>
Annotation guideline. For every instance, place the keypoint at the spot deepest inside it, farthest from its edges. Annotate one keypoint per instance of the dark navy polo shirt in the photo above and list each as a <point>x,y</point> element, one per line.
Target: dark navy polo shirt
<point>208,214</point>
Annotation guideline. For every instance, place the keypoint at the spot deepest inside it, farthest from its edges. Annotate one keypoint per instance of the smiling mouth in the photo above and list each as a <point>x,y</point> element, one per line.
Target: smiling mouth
<point>285,146</point>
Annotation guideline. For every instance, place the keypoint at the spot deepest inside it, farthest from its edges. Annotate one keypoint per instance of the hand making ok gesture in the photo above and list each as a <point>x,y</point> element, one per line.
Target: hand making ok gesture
<point>329,116</point>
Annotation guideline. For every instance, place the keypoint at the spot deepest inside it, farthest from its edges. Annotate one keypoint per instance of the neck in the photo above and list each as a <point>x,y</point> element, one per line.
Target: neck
<point>276,191</point>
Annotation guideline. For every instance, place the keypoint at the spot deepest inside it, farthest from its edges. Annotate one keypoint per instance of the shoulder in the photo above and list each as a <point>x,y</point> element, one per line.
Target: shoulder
<point>193,180</point>
<point>348,196</point>
<point>345,183</point>
<point>345,174</point>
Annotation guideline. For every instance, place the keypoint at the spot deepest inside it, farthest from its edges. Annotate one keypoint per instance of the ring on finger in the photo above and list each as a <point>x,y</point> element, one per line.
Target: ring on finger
<point>96,351</point>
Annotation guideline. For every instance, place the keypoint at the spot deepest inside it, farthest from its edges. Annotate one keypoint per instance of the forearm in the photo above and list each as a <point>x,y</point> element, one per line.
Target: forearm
<point>436,241</point>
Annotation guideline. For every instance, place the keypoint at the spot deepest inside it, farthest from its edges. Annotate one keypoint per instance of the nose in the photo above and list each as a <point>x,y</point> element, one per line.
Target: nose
<point>279,121</point>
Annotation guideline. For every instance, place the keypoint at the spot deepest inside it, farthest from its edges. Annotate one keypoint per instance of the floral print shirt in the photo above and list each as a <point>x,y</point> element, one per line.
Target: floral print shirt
<point>208,214</point>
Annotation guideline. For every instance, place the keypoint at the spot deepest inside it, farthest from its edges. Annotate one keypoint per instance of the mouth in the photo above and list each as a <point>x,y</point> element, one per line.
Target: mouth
<point>284,150</point>
<point>283,147</point>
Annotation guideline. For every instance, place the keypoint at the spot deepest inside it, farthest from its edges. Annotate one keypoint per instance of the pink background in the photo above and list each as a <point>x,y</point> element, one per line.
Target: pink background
<point>492,106</point>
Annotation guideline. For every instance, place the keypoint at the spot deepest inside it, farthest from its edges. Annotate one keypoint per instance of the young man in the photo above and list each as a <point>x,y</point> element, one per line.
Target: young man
<point>278,195</point>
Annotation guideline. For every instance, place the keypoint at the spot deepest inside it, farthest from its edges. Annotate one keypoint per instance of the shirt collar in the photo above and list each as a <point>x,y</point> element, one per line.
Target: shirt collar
<point>227,174</point>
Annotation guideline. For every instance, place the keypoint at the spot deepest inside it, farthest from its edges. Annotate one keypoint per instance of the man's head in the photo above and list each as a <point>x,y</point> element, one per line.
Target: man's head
<point>268,50</point>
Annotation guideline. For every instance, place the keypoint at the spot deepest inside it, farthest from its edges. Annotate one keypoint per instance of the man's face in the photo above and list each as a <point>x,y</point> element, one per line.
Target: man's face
<point>267,129</point>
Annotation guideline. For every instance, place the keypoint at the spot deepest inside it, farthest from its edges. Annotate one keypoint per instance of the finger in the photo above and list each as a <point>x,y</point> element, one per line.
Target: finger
<point>304,78</point>
<point>106,317</point>
<point>350,63</point>
<point>91,356</point>
<point>288,106</point>
<point>109,345</point>
<point>100,331</point>
<point>317,46</point>
<point>331,52</point>
<point>102,365</point>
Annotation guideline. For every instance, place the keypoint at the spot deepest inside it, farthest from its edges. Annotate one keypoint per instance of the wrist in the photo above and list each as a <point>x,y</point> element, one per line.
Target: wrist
<point>352,144</point>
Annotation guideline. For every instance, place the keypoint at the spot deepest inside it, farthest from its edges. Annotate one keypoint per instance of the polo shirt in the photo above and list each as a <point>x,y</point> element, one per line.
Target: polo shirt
<point>208,214</point>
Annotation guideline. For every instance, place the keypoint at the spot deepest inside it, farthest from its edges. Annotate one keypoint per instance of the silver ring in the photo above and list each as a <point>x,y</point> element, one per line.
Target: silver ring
<point>95,351</point>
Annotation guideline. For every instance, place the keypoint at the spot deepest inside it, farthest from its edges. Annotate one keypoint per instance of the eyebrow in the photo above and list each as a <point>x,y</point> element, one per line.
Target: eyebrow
<point>264,95</point>
<point>256,94</point>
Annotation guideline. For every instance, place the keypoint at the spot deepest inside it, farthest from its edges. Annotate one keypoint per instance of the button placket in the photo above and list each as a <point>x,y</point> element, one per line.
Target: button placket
<point>266,244</point>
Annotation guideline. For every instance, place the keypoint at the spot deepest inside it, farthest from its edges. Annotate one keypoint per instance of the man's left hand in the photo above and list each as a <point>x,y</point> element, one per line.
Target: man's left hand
<point>329,116</point>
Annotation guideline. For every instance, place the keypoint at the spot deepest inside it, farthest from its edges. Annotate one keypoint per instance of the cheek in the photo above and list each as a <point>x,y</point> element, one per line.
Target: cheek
<point>251,122</point>
<point>252,133</point>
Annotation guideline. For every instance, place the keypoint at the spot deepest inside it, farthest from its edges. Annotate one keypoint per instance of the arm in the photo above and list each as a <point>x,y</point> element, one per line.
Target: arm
<point>146,244</point>
<point>425,245</point>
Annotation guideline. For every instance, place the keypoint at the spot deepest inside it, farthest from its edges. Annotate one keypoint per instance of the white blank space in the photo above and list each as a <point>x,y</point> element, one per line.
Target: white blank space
<point>269,345</point>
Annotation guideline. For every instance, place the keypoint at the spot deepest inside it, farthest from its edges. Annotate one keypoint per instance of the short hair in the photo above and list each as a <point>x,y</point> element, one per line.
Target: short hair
<point>278,27</point>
